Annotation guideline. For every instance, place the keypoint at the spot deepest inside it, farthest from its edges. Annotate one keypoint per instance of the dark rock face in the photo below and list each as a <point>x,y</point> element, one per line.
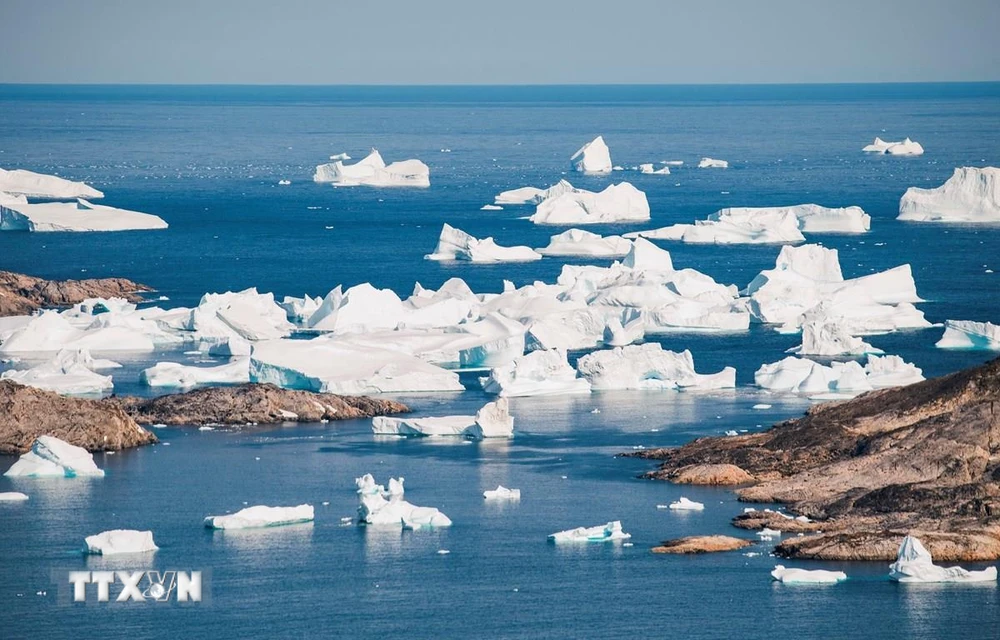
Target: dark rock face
<point>251,404</point>
<point>922,459</point>
<point>22,295</point>
<point>26,413</point>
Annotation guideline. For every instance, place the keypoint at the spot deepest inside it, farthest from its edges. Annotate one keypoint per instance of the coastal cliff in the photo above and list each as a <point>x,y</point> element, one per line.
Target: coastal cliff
<point>22,295</point>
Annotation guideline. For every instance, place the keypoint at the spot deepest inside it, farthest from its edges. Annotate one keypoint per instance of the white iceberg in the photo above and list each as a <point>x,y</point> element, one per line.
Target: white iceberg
<point>299,309</point>
<point>914,564</point>
<point>118,541</point>
<point>540,373</point>
<point>455,244</point>
<point>491,421</point>
<point>372,171</point>
<point>609,532</point>
<point>13,496</point>
<point>687,505</point>
<point>824,338</point>
<point>577,242</point>
<point>534,195</point>
<point>179,376</point>
<point>502,493</point>
<point>971,194</point>
<point>650,169</point>
<point>593,157</point>
<point>806,576</point>
<point>21,182</point>
<point>648,366</point>
<point>621,334</point>
<point>74,216</point>
<point>362,308</point>
<point>967,334</point>
<point>70,372</point>
<point>617,203</point>
<point>52,457</point>
<point>379,507</point>
<point>712,163</point>
<point>261,516</point>
<point>490,207</point>
<point>768,534</point>
<point>247,314</point>
<point>799,375</point>
<point>905,147</point>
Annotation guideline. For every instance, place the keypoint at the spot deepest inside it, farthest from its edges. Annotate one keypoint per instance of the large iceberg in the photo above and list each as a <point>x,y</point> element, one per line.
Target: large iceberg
<point>648,366</point>
<point>914,564</point>
<point>388,508</point>
<point>799,375</point>
<point>74,216</point>
<point>577,242</point>
<point>119,541</point>
<point>21,182</point>
<point>806,576</point>
<point>617,203</point>
<point>179,376</point>
<point>455,244</point>
<point>261,516</point>
<point>70,372</point>
<point>971,194</point>
<point>966,334</point>
<point>593,157</point>
<point>609,532</point>
<point>491,421</point>
<point>52,457</point>
<point>905,147</point>
<point>372,171</point>
<point>540,373</point>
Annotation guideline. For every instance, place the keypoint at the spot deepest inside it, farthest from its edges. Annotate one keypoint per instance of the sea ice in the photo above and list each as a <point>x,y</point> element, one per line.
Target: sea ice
<point>966,334</point>
<point>13,496</point>
<point>247,314</point>
<point>179,376</point>
<point>648,366</point>
<point>261,516</point>
<point>616,203</point>
<point>807,576</point>
<point>21,182</point>
<point>593,157</point>
<point>577,242</point>
<point>372,171</point>
<point>799,375</point>
<point>119,541</point>
<point>914,564</point>
<point>502,493</point>
<point>687,505</point>
<point>712,163</point>
<point>971,194</point>
<point>905,147</point>
<point>455,244</point>
<point>611,531</point>
<point>388,508</point>
<point>540,373</point>
<point>74,216</point>
<point>649,168</point>
<point>52,457</point>
<point>491,421</point>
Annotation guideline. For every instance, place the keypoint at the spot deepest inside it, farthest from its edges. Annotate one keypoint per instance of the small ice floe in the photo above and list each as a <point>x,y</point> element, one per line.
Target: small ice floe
<point>687,505</point>
<point>768,534</point>
<point>206,428</point>
<point>261,516</point>
<point>731,432</point>
<point>712,163</point>
<point>760,407</point>
<point>751,554</point>
<point>12,496</point>
<point>966,334</point>
<point>662,506</point>
<point>915,564</point>
<point>284,182</point>
<point>905,147</point>
<point>601,533</point>
<point>595,410</point>
<point>119,541</point>
<point>491,207</point>
<point>443,552</point>
<point>502,493</point>
<point>807,576</point>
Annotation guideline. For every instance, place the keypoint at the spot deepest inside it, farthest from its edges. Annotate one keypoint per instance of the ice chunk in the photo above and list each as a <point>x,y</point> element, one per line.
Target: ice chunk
<point>118,541</point>
<point>577,242</point>
<point>593,157</point>
<point>372,171</point>
<point>650,169</point>
<point>490,207</point>
<point>971,194</point>
<point>261,516</point>
<point>798,375</point>
<point>502,493</point>
<point>712,163</point>
<point>299,309</point>
<point>70,216</point>
<point>830,339</point>
<point>21,182</point>
<point>611,531</point>
<point>12,496</point>
<point>687,505</point>
<point>491,421</point>
<point>807,576</point>
<point>768,534</point>
<point>52,457</point>
<point>540,373</point>
<point>617,203</point>
<point>533,195</point>
<point>966,334</point>
<point>176,375</point>
<point>70,372</point>
<point>648,366</point>
<point>914,564</point>
<point>619,334</point>
<point>455,244</point>
<point>247,314</point>
<point>905,147</point>
<point>388,508</point>
<point>360,308</point>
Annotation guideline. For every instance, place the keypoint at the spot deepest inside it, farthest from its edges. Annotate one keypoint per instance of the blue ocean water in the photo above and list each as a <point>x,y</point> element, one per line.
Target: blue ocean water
<point>208,160</point>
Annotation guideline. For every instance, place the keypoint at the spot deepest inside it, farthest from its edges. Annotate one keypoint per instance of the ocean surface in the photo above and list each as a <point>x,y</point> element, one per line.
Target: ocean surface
<point>208,161</point>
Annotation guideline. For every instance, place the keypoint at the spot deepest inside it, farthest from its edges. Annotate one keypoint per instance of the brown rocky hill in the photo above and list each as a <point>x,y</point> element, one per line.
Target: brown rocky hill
<point>21,294</point>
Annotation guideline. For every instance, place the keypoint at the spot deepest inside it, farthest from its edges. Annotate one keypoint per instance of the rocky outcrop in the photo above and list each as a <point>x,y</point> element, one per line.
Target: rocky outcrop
<point>922,459</point>
<point>27,412</point>
<point>251,404</point>
<point>21,295</point>
<point>702,544</point>
<point>711,474</point>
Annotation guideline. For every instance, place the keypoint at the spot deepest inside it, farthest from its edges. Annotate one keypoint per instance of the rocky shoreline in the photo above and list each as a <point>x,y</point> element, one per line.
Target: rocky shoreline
<point>923,459</point>
<point>21,294</point>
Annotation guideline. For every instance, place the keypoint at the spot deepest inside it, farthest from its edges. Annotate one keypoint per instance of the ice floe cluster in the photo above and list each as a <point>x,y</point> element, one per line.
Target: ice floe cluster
<point>372,171</point>
<point>905,147</point>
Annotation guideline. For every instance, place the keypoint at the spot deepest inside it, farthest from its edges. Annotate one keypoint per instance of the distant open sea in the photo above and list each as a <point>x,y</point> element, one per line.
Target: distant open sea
<point>207,159</point>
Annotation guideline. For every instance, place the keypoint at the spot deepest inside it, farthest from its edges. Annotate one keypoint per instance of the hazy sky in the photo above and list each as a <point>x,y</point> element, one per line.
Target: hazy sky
<point>498,41</point>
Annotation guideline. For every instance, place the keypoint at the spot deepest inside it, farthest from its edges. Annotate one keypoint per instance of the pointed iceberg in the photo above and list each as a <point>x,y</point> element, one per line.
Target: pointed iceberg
<point>593,157</point>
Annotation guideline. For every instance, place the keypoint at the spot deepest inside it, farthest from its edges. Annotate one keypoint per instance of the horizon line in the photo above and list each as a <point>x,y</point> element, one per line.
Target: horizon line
<point>495,85</point>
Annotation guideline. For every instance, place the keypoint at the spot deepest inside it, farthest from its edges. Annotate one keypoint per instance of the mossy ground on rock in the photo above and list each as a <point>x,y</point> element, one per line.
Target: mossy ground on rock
<point>702,544</point>
<point>21,295</point>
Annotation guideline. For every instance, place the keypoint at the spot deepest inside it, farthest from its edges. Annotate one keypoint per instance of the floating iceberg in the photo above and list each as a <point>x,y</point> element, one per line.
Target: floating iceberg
<point>119,541</point>
<point>593,157</point>
<point>712,163</point>
<point>905,147</point>
<point>577,242</point>
<point>622,334</point>
<point>246,314</point>
<point>650,169</point>
<point>648,366</point>
<point>455,244</point>
<point>534,195</point>
<point>798,375</point>
<point>540,373</point>
<point>914,564</point>
<point>52,457</point>
<point>830,339</point>
<point>261,516</point>
<point>490,207</point>
<point>70,373</point>
<point>966,334</point>
<point>179,376</point>
<point>491,421</point>
<point>13,496</point>
<point>299,309</point>
<point>971,194</point>
<point>20,182</point>
<point>74,216</point>
<point>388,508</point>
<point>502,493</point>
<point>687,505</point>
<point>51,331</point>
<point>372,171</point>
<point>807,576</point>
<point>602,533</point>
<point>617,203</point>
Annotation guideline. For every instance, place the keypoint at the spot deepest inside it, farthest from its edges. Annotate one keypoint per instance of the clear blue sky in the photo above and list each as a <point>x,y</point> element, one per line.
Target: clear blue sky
<point>498,41</point>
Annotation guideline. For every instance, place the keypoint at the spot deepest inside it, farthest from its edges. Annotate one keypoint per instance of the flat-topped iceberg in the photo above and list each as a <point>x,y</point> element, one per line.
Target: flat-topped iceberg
<point>491,421</point>
<point>971,194</point>
<point>372,171</point>
<point>905,147</point>
<point>915,564</point>
<point>648,366</point>
<point>119,541</point>
<point>261,516</point>
<point>540,373</point>
<point>70,372</point>
<point>12,496</point>
<point>502,493</point>
<point>21,182</point>
<point>74,216</point>
<point>534,195</point>
<point>179,376</point>
<point>806,576</point>
<point>609,532</point>
<point>617,203</point>
<point>51,457</point>
<point>967,334</point>
<point>593,157</point>
<point>378,507</point>
<point>686,505</point>
<point>799,375</point>
<point>52,331</point>
<point>712,163</point>
<point>577,242</point>
<point>455,244</point>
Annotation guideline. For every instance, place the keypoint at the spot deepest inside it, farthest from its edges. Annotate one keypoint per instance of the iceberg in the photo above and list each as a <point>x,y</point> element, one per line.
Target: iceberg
<point>687,505</point>
<point>51,331</point>
<point>905,147</point>
<point>971,194</point>
<point>490,207</point>
<point>502,493</point>
<point>372,171</point>
<point>299,309</point>
<point>540,373</point>
<point>118,541</point>
<point>70,216</point>
<point>70,372</point>
<point>455,244</point>
<point>616,203</point>
<point>261,516</point>
<point>966,334</point>
<point>799,375</point>
<point>534,195</point>
<point>621,334</point>
<point>577,242</point>
<point>593,157</point>
<point>609,532</point>
<point>491,421</point>
<point>648,366</point>
<point>12,496</point>
<point>379,507</point>
<point>821,338</point>
<point>712,163</point>
<point>915,564</point>
<point>51,457</point>
<point>650,169</point>
<point>21,182</point>
<point>246,314</point>
<point>179,376</point>
<point>806,576</point>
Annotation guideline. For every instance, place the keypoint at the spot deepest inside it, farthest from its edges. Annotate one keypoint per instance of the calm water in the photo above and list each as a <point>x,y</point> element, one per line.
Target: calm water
<point>208,160</point>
